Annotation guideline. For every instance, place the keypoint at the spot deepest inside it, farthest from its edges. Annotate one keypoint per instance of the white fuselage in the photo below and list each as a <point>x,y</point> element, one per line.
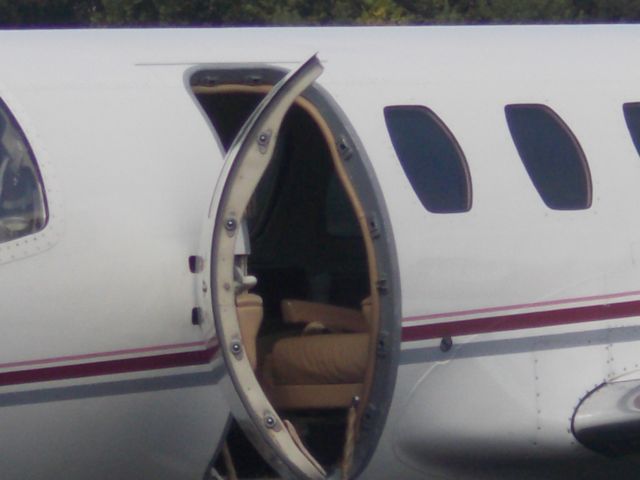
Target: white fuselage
<point>130,163</point>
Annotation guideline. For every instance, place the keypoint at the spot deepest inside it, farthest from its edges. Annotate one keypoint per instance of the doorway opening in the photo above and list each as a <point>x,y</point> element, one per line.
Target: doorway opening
<point>319,321</point>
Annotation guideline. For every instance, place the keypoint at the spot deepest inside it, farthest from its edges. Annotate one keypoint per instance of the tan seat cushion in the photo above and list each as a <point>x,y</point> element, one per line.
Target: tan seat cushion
<point>333,318</point>
<point>303,397</point>
<point>320,359</point>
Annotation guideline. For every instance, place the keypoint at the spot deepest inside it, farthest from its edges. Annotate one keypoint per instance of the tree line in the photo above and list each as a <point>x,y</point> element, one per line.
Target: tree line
<point>101,13</point>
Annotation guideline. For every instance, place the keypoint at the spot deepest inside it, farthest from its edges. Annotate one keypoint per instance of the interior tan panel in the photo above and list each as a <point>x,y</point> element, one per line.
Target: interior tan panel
<point>249,310</point>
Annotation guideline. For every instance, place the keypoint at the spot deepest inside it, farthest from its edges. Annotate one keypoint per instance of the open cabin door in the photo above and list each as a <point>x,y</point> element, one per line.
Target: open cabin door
<point>245,163</point>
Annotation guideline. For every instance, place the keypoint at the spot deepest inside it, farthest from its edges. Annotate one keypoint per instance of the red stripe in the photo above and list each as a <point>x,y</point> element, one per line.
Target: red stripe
<point>86,356</point>
<point>110,367</point>
<point>502,308</point>
<point>520,321</point>
<point>409,334</point>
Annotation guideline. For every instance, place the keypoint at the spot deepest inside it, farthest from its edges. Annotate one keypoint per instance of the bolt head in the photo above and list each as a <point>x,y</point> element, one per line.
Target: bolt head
<point>269,421</point>
<point>230,224</point>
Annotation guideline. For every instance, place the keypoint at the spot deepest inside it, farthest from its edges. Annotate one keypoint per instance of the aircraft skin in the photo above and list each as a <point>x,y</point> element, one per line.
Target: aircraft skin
<point>104,375</point>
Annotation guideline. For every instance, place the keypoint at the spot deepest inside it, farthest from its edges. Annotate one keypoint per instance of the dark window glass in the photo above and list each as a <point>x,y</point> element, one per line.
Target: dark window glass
<point>552,156</point>
<point>632,116</point>
<point>431,158</point>
<point>22,203</point>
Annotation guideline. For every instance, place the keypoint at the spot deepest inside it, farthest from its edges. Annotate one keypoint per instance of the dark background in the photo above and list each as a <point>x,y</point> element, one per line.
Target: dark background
<point>101,13</point>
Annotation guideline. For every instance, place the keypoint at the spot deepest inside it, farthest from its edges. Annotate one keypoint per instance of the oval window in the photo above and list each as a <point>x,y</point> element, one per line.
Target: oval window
<point>430,157</point>
<point>632,117</point>
<point>551,155</point>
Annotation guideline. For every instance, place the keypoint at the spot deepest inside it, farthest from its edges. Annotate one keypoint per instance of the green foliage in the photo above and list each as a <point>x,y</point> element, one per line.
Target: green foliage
<point>173,12</point>
<point>383,12</point>
<point>523,10</point>
<point>616,10</point>
<point>32,13</point>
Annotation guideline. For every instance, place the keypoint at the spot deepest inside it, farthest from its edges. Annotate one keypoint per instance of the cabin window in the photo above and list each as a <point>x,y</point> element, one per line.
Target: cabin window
<point>431,158</point>
<point>551,155</point>
<point>22,203</point>
<point>632,117</point>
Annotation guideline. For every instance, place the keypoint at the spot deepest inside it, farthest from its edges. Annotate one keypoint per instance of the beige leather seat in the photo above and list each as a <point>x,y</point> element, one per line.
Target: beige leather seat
<point>319,369</point>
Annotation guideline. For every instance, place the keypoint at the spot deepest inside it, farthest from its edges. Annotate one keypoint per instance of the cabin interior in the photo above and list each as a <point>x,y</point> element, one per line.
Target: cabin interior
<point>311,349</point>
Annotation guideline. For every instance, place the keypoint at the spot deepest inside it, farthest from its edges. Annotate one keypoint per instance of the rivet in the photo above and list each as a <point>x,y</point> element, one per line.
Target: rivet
<point>236,348</point>
<point>270,421</point>
<point>230,224</point>
<point>263,141</point>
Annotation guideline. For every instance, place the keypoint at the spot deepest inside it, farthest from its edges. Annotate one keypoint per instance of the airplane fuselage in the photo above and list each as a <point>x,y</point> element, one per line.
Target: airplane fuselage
<point>510,312</point>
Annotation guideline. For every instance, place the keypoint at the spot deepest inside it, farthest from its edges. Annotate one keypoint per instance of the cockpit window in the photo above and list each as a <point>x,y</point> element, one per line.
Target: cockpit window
<point>23,208</point>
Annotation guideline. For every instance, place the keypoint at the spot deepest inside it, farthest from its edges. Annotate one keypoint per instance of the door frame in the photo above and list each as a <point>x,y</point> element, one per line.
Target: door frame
<point>357,176</point>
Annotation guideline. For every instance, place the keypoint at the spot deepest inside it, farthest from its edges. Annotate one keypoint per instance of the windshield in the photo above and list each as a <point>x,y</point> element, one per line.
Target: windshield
<point>22,203</point>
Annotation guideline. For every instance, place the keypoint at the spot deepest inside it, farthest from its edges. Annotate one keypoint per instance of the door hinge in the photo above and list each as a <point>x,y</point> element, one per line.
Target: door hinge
<point>373,224</point>
<point>382,345</point>
<point>344,148</point>
<point>382,285</point>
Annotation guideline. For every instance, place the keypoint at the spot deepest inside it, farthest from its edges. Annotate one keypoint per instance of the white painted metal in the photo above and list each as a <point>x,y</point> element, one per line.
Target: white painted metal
<point>129,164</point>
